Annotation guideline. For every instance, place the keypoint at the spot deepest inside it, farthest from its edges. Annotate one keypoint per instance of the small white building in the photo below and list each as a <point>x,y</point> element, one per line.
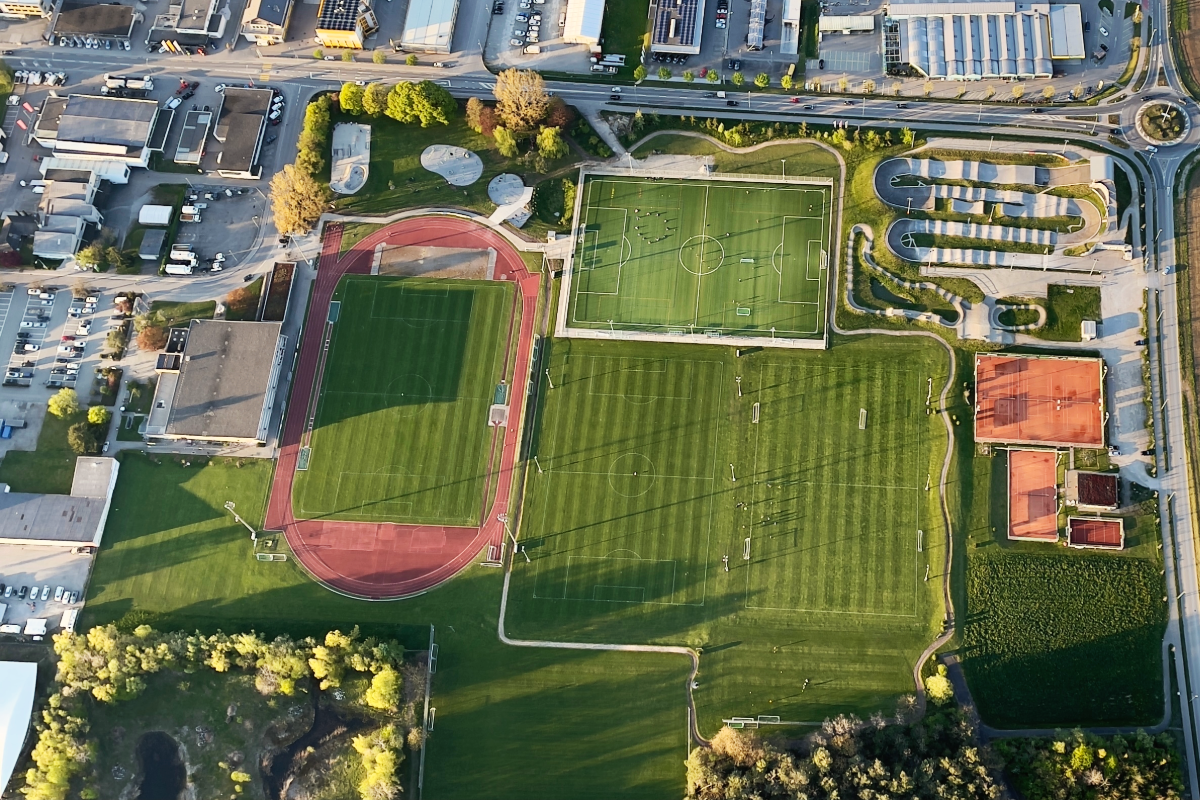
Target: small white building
<point>585,19</point>
<point>18,682</point>
<point>429,25</point>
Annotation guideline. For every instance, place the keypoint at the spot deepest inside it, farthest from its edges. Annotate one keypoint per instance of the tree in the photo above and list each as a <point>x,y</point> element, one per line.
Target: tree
<point>318,54</point>
<point>374,99</point>
<point>379,56</point>
<point>907,136</point>
<point>868,86</point>
<point>506,143</point>
<point>938,687</point>
<point>896,87</point>
<point>475,107</point>
<point>83,439</point>
<point>116,258</point>
<point>423,102</point>
<point>152,337</point>
<point>411,59</point>
<point>1048,93</point>
<point>842,83</point>
<point>639,73</point>
<point>384,691</point>
<point>787,82</point>
<point>713,76</point>
<point>560,114</point>
<point>762,80</point>
<point>928,88</point>
<point>350,98</point>
<point>989,93</point>
<point>1077,92</point>
<point>297,200</point>
<point>99,415</point>
<point>64,403</point>
<point>521,99</point>
<point>347,56</point>
<point>1018,91</point>
<point>550,144</point>
<point>488,121</point>
<point>92,256</point>
<point>664,73</point>
<point>688,76</point>
<point>737,78</point>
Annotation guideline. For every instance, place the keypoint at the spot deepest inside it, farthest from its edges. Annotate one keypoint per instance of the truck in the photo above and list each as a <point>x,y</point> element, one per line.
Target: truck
<point>145,82</point>
<point>186,255</point>
<point>532,49</point>
<point>179,269</point>
<point>155,215</point>
<point>189,214</point>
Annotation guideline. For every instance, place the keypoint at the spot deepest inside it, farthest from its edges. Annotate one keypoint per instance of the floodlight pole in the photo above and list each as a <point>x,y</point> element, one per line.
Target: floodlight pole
<point>504,521</point>
<point>538,464</point>
<point>784,162</point>
<point>732,474</point>
<point>229,506</point>
<point>738,381</point>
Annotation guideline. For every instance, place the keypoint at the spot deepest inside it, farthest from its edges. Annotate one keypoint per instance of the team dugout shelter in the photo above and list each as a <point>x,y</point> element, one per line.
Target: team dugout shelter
<point>1053,401</point>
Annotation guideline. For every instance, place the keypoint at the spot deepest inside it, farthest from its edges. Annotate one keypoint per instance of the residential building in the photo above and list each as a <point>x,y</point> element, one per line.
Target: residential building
<point>265,22</point>
<point>345,23</point>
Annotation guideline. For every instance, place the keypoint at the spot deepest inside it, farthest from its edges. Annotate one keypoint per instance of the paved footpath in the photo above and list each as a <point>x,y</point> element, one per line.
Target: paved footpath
<point>383,561</point>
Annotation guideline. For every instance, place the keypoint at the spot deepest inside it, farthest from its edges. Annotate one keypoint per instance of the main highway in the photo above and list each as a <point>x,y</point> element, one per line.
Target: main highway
<point>1084,125</point>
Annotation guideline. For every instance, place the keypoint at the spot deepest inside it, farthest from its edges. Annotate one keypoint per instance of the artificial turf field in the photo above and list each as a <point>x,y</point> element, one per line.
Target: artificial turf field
<point>401,429</point>
<point>691,256</point>
<point>633,505</point>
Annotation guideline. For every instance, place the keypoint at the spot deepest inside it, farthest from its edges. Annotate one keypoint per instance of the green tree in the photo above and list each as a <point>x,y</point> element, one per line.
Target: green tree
<point>83,439</point>
<point>506,142</point>
<point>347,56</point>
<point>115,258</point>
<point>713,76</point>
<point>639,73</point>
<point>938,686</point>
<point>384,691</point>
<point>318,54</point>
<point>64,403</point>
<point>762,80</point>
<point>423,102</point>
<point>787,83</point>
<point>568,200</point>
<point>99,415</point>
<point>350,98</point>
<point>550,144</point>
<point>475,108</point>
<point>688,76</point>
<point>374,99</point>
<point>664,73</point>
<point>907,136</point>
<point>411,59</point>
<point>92,256</point>
<point>379,56</point>
<point>737,78</point>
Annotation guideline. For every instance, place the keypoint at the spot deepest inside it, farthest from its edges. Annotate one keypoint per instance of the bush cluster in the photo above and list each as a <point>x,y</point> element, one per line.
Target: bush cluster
<point>1079,766</point>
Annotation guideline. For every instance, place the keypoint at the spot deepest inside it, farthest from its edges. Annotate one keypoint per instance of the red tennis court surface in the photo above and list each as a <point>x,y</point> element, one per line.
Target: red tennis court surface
<point>1039,400</point>
<point>1107,534</point>
<point>1033,495</point>
<point>382,561</point>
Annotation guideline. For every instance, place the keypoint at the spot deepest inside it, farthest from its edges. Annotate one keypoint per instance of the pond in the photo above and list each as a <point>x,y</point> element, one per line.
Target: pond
<point>163,773</point>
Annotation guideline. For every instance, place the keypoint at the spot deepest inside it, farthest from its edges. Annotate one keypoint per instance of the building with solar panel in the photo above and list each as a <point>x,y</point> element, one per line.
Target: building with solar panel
<point>345,23</point>
<point>677,26</point>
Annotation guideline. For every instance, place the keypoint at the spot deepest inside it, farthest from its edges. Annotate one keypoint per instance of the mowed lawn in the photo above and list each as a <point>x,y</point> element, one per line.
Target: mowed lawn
<point>401,431</point>
<point>696,256</point>
<point>653,469</point>
<point>511,722</point>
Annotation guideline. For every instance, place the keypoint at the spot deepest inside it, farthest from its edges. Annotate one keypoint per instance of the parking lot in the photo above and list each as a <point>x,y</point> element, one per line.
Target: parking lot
<point>46,568</point>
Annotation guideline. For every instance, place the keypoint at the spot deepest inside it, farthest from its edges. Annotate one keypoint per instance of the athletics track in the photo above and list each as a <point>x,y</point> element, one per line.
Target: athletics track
<point>381,561</point>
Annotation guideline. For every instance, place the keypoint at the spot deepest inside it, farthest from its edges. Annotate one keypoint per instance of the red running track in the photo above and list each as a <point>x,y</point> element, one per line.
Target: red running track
<point>383,561</point>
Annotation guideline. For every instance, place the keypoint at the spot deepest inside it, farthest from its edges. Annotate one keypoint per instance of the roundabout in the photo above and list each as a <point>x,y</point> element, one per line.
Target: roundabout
<point>1163,123</point>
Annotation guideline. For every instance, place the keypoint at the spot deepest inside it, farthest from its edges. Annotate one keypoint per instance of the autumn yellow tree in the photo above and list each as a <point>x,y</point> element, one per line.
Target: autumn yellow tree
<point>297,200</point>
<point>521,99</point>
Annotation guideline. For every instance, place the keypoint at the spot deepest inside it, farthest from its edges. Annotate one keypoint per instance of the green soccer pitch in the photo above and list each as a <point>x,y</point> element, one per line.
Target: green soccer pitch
<point>701,256</point>
<point>401,429</point>
<point>651,469</point>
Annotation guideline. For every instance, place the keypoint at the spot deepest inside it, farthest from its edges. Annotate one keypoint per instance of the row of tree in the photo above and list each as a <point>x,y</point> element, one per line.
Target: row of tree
<point>108,665</point>
<point>424,102</point>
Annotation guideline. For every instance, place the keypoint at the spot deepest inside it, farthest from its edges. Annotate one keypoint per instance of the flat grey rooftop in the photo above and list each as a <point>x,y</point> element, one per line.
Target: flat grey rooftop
<point>223,379</point>
<point>107,120</point>
<point>50,517</point>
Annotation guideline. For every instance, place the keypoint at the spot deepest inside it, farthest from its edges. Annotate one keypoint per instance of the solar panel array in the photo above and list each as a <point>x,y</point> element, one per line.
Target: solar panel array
<point>338,15</point>
<point>758,24</point>
<point>685,29</point>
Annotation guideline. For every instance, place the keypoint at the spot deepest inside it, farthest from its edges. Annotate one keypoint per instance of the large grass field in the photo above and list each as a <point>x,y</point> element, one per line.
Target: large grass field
<point>511,722</point>
<point>634,505</point>
<point>701,257</point>
<point>401,430</point>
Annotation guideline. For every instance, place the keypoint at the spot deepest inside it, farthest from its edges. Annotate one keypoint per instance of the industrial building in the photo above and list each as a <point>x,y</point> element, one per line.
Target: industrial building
<point>190,149</point>
<point>677,27</point>
<point>105,135</point>
<point>189,22</point>
<point>104,21</point>
<point>265,22</point>
<point>429,25</point>
<point>585,19</point>
<point>241,122</point>
<point>790,31</point>
<point>62,520</point>
<point>219,384</point>
<point>956,40</point>
<point>64,213</point>
<point>345,23</point>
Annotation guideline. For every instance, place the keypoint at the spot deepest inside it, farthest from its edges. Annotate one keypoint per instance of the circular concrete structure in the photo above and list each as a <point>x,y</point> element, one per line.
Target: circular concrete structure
<point>459,166</point>
<point>505,188</point>
<point>1155,108</point>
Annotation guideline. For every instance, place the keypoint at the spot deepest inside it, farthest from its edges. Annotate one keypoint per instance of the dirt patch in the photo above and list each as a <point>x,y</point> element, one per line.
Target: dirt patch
<point>435,262</point>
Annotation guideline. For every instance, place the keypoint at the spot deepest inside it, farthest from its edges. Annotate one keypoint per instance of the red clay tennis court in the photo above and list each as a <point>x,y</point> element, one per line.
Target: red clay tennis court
<point>1033,495</point>
<point>1039,400</point>
<point>1106,534</point>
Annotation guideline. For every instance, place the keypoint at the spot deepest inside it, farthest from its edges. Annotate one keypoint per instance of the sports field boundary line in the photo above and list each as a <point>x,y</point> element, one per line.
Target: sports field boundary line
<point>701,335</point>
